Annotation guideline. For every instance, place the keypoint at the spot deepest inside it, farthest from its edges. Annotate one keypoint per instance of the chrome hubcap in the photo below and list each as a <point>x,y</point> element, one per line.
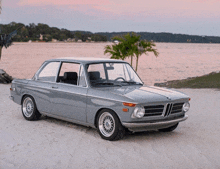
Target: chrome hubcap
<point>28,107</point>
<point>106,124</point>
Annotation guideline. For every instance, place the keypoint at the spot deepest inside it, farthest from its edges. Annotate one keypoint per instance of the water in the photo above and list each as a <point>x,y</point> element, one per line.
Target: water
<point>175,61</point>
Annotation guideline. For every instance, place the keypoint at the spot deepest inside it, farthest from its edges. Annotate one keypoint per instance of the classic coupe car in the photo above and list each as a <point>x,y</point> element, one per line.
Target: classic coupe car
<point>105,94</point>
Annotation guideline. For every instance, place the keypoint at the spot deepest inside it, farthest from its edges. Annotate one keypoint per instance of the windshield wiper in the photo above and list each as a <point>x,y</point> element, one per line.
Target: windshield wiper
<point>130,82</point>
<point>105,84</point>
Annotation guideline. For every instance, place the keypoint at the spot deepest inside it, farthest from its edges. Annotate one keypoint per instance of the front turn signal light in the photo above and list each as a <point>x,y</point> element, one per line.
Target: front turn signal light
<point>12,89</point>
<point>125,110</point>
<point>129,104</point>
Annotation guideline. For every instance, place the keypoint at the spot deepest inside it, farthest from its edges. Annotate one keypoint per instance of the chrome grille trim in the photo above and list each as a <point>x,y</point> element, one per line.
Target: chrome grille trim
<point>177,108</point>
<point>168,109</point>
<point>163,110</point>
<point>155,110</point>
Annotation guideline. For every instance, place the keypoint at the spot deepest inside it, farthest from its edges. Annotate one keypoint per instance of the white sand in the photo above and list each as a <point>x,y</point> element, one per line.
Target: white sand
<point>51,143</point>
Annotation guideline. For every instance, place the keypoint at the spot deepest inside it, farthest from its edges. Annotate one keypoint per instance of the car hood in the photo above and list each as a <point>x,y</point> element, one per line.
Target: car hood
<point>147,94</point>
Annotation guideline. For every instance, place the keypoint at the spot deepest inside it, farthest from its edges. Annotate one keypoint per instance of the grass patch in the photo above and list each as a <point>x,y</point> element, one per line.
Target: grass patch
<point>211,80</point>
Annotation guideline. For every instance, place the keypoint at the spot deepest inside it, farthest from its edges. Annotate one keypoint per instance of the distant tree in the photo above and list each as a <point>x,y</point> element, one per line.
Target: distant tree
<point>33,31</point>
<point>24,32</point>
<point>98,38</point>
<point>78,35</point>
<point>62,37</point>
<point>84,38</point>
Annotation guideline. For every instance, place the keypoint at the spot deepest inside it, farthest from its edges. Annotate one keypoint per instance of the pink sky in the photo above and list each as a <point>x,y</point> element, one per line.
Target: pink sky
<point>166,13</point>
<point>188,8</point>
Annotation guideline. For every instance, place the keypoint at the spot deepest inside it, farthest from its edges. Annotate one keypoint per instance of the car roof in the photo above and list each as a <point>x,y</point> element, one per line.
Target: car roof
<point>85,60</point>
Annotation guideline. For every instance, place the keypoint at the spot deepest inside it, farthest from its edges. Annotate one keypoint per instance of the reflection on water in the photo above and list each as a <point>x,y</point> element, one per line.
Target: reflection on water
<point>175,61</point>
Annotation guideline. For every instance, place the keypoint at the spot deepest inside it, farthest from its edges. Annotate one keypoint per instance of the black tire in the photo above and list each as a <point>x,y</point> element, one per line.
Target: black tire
<point>109,125</point>
<point>169,129</point>
<point>29,109</point>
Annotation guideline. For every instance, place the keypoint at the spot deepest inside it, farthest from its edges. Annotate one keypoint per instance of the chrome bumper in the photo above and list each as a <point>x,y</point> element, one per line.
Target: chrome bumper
<point>153,125</point>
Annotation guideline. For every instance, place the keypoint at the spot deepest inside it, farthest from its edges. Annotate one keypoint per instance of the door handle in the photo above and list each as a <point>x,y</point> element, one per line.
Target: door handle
<point>54,87</point>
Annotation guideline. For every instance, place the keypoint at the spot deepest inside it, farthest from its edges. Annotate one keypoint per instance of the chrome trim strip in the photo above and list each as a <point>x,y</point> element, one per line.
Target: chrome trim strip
<point>171,107</point>
<point>152,124</point>
<point>55,83</point>
<point>71,85</point>
<point>164,110</point>
<point>104,98</point>
<point>56,89</point>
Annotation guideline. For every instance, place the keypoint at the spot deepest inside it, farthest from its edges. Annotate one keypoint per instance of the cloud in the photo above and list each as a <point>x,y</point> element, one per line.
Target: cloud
<point>62,2</point>
<point>137,9</point>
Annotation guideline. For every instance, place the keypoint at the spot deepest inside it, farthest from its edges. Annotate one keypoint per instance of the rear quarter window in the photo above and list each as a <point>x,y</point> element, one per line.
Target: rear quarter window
<point>49,72</point>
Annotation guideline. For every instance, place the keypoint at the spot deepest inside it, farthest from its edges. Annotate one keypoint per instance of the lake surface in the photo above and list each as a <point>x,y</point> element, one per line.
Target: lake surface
<point>175,61</point>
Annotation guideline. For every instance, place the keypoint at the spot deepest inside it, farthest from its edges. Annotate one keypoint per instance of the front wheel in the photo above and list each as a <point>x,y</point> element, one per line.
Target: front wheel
<point>169,129</point>
<point>29,109</point>
<point>109,125</point>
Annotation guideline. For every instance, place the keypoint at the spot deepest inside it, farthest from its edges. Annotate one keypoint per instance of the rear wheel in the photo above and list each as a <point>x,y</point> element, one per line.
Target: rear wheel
<point>169,129</point>
<point>109,125</point>
<point>29,109</point>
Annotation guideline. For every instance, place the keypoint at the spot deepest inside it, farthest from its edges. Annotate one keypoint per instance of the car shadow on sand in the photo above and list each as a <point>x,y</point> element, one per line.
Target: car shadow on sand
<point>129,136</point>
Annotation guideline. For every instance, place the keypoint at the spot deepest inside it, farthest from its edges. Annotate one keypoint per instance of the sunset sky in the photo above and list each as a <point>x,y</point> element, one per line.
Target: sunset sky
<point>195,17</point>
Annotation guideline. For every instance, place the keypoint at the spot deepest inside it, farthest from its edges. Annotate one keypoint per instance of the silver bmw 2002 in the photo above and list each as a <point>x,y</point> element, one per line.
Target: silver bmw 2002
<point>105,94</point>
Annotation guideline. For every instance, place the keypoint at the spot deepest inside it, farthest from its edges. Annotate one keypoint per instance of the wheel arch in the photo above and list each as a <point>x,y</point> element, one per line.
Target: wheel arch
<point>24,95</point>
<point>97,113</point>
<point>35,114</point>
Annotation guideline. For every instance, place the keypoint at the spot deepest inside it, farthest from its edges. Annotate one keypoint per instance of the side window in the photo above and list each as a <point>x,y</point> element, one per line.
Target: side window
<point>69,73</point>
<point>49,72</point>
<point>94,68</point>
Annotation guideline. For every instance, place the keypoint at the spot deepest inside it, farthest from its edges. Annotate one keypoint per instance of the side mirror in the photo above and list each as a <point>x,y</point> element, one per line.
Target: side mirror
<point>35,77</point>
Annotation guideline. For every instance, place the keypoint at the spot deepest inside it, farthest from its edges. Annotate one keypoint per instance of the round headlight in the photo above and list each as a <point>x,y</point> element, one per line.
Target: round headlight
<point>138,112</point>
<point>186,107</point>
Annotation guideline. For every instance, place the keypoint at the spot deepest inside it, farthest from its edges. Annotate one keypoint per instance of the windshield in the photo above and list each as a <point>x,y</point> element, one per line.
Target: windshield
<point>112,74</point>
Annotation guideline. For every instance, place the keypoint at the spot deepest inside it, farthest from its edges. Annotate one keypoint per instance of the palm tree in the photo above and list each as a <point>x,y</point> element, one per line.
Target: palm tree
<point>128,42</point>
<point>117,51</point>
<point>143,47</point>
<point>5,40</point>
<point>129,46</point>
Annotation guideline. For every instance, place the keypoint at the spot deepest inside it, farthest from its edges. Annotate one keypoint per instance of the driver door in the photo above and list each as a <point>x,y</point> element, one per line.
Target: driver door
<point>71,90</point>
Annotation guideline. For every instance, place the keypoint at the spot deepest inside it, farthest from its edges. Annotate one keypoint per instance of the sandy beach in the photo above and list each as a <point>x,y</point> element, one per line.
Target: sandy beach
<point>51,143</point>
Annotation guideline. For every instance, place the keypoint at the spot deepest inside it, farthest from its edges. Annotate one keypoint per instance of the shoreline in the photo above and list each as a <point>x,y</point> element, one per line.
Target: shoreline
<point>207,81</point>
<point>176,61</point>
<point>191,43</point>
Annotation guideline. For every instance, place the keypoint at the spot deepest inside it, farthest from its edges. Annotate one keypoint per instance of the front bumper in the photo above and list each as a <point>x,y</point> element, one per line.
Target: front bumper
<point>152,125</point>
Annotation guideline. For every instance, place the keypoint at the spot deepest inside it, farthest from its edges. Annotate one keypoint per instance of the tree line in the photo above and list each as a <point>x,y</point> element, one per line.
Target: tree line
<point>167,37</point>
<point>33,32</point>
